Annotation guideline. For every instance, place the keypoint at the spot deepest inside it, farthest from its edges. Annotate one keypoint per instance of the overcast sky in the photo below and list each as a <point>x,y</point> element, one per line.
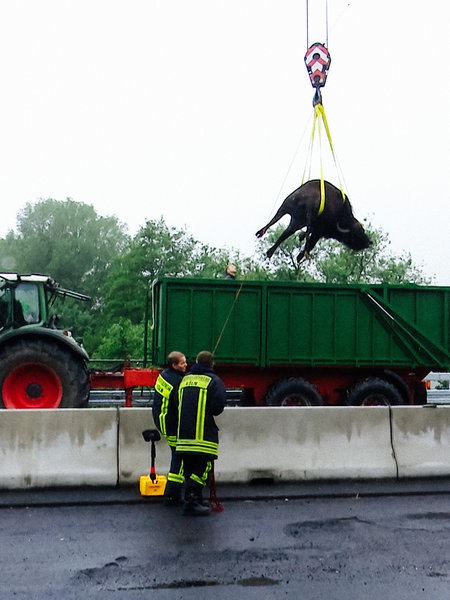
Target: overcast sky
<point>200,111</point>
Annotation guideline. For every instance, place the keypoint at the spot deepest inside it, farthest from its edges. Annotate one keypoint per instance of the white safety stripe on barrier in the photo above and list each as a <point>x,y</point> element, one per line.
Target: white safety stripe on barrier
<point>45,448</point>
<point>304,443</point>
<point>421,440</point>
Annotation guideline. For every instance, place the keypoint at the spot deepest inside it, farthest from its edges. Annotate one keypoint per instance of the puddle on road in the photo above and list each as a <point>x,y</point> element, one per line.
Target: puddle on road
<point>247,582</point>
<point>297,530</point>
<point>110,574</point>
<point>257,581</point>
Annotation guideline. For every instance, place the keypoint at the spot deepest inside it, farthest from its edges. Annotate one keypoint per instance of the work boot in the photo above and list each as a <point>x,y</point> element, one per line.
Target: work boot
<point>172,501</point>
<point>194,507</point>
<point>172,494</point>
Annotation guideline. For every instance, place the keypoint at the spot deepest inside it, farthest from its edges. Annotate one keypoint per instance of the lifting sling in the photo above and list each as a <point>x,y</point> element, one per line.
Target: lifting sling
<point>317,61</point>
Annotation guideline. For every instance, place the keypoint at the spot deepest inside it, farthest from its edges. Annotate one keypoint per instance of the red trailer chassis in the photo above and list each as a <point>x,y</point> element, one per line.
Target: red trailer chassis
<point>127,380</point>
<point>332,383</point>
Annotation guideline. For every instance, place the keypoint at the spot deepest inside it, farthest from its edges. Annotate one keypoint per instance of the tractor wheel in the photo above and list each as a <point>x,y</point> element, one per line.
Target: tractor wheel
<point>293,392</point>
<point>36,373</point>
<point>374,392</point>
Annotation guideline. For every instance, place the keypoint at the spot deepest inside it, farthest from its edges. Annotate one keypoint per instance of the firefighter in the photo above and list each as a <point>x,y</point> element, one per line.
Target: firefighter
<point>230,271</point>
<point>165,416</point>
<point>201,396</point>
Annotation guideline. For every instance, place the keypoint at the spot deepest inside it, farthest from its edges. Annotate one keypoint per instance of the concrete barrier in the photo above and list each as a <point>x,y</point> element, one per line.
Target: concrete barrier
<point>46,448</point>
<point>283,444</point>
<point>421,440</point>
<point>292,444</point>
<point>50,448</point>
<point>134,452</point>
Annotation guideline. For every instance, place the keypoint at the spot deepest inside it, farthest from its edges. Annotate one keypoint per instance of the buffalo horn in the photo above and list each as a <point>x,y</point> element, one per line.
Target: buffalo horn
<point>341,229</point>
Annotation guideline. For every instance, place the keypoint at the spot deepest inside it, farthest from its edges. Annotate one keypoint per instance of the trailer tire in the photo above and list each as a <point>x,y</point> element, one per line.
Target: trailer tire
<point>293,392</point>
<point>374,392</point>
<point>36,373</point>
<point>420,394</point>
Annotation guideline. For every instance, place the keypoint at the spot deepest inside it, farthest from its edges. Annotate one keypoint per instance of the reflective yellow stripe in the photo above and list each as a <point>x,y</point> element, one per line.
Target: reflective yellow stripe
<point>200,446</point>
<point>175,478</point>
<point>200,381</point>
<point>171,440</point>
<point>203,479</point>
<point>164,388</point>
<point>201,410</point>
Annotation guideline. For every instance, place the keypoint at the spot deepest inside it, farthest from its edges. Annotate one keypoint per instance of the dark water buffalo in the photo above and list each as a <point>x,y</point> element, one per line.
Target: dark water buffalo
<point>336,221</point>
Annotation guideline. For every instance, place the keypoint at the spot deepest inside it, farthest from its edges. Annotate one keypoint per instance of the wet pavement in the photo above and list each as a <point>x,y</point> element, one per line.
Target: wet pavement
<point>307,540</point>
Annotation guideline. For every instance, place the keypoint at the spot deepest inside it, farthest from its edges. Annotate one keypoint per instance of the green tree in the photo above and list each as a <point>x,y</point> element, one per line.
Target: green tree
<point>8,253</point>
<point>71,243</point>
<point>444,384</point>
<point>377,264</point>
<point>332,262</point>
<point>156,250</point>
<point>67,240</point>
<point>124,341</point>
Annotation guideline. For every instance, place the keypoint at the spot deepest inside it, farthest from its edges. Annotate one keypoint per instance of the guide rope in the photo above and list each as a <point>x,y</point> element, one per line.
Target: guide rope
<point>228,317</point>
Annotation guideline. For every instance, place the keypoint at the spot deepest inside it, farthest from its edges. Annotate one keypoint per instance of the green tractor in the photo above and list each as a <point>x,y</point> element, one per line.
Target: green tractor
<point>40,366</point>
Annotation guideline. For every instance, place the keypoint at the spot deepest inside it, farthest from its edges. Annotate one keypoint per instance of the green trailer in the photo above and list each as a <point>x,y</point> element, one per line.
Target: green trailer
<point>295,343</point>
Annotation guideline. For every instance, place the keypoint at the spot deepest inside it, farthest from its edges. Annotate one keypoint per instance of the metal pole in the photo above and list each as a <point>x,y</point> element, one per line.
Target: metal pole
<point>146,328</point>
<point>307,24</point>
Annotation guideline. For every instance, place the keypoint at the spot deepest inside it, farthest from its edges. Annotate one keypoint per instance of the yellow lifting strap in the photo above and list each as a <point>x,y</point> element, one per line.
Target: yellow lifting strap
<point>319,118</point>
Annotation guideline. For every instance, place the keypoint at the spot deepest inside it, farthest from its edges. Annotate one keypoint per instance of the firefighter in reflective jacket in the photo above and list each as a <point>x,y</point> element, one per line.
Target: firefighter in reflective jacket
<point>201,396</point>
<point>165,416</point>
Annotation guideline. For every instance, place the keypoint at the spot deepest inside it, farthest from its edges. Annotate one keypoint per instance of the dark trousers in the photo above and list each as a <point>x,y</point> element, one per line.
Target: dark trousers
<point>196,471</point>
<point>175,477</point>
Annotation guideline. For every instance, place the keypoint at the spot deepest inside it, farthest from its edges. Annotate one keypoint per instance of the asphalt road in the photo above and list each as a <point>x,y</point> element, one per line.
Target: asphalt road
<point>381,540</point>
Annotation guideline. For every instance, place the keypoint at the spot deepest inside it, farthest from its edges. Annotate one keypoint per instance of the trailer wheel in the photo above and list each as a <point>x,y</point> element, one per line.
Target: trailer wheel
<point>374,392</point>
<point>36,373</point>
<point>293,392</point>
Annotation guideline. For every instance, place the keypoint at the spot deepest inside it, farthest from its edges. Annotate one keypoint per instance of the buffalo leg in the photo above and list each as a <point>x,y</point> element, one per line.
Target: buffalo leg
<point>311,241</point>
<point>280,213</point>
<point>290,229</point>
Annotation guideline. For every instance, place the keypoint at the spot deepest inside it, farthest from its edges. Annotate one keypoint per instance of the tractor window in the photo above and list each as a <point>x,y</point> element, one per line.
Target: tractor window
<point>27,296</point>
<point>5,300</point>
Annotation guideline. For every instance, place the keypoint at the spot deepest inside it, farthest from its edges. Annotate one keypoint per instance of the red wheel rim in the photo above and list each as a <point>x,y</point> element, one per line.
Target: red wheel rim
<point>32,386</point>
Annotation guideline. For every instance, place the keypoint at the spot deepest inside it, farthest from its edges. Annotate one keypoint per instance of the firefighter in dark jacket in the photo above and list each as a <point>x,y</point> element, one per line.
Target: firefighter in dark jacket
<point>201,396</point>
<point>165,416</point>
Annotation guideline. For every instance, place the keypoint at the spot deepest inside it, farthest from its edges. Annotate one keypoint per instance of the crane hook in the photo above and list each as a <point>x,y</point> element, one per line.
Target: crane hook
<point>317,61</point>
